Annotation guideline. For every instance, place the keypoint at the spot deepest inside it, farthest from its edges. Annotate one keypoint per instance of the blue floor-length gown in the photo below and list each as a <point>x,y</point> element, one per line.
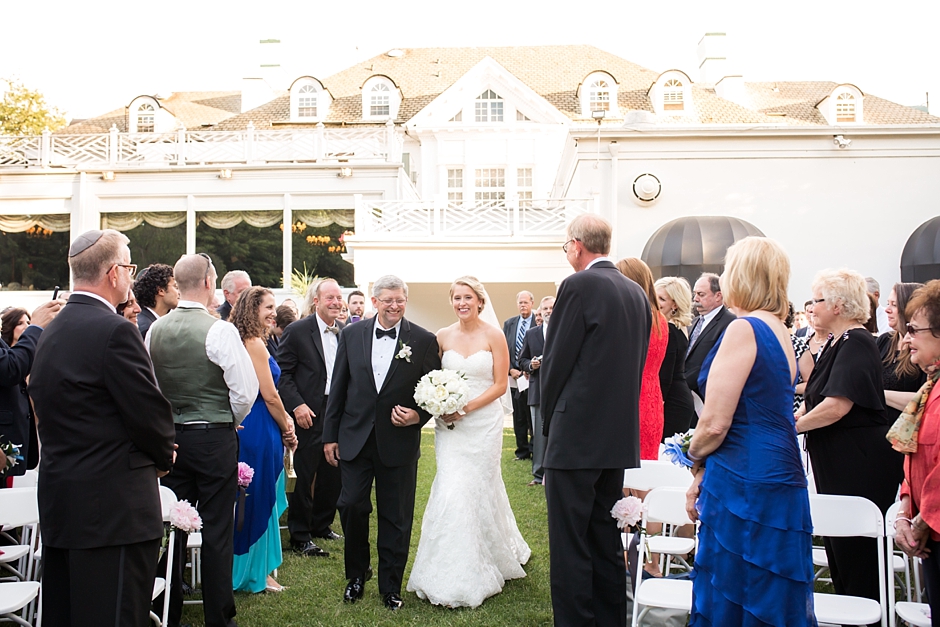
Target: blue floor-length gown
<point>258,544</point>
<point>754,562</point>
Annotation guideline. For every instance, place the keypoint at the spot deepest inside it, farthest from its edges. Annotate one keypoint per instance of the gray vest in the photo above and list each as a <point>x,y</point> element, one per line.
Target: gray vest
<point>194,385</point>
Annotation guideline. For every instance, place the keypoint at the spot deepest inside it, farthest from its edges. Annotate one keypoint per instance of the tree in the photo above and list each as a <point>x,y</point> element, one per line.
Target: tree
<point>24,111</point>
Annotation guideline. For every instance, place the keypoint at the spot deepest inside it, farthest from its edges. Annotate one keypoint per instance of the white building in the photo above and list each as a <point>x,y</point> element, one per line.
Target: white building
<point>451,161</point>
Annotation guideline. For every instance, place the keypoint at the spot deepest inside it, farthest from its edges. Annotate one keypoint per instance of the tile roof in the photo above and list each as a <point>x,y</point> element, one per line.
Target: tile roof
<point>193,108</point>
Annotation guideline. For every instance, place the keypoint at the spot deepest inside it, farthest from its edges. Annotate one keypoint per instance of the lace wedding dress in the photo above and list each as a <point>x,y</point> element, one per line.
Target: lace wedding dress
<point>470,545</point>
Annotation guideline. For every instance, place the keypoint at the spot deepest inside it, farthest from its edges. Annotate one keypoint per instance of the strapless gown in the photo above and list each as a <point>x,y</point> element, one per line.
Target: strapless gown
<point>470,545</point>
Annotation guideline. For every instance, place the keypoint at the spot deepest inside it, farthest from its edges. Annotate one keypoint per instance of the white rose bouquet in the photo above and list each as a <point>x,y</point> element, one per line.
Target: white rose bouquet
<point>442,392</point>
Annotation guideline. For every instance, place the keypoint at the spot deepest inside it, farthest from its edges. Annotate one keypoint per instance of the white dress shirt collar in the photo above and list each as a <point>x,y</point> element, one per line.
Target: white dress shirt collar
<point>153,311</point>
<point>191,304</point>
<point>329,342</point>
<point>598,260</point>
<point>706,318</point>
<point>95,296</point>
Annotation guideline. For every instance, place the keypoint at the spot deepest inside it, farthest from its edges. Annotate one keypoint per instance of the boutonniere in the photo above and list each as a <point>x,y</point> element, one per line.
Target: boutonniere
<point>404,352</point>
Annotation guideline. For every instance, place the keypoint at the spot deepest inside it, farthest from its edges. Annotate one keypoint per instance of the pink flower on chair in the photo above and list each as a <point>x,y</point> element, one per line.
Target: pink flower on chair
<point>245,474</point>
<point>628,511</point>
<point>184,517</point>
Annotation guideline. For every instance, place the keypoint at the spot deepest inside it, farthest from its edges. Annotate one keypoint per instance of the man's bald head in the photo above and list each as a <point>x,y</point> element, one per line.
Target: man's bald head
<point>196,277</point>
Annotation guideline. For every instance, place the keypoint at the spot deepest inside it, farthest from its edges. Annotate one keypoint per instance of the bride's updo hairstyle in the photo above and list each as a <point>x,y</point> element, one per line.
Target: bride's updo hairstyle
<point>474,284</point>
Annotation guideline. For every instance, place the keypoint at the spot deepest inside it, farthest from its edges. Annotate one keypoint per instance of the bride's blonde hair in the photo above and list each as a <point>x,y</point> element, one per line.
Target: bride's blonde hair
<point>474,284</point>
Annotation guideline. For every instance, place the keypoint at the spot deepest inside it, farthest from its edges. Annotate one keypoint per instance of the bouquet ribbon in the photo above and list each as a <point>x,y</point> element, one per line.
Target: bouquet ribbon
<point>903,433</point>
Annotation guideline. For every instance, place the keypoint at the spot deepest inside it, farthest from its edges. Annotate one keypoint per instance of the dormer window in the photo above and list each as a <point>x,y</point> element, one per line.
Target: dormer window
<point>598,92</point>
<point>673,96</point>
<point>489,107</point>
<point>379,100</point>
<point>845,107</point>
<point>309,100</point>
<point>146,118</point>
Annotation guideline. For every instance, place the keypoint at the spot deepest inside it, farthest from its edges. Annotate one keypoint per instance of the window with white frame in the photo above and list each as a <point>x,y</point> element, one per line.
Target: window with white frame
<point>673,95</point>
<point>489,107</point>
<point>521,117</point>
<point>845,107</point>
<point>455,185</point>
<point>599,95</point>
<point>379,100</point>
<point>524,186</point>
<point>146,118</point>
<point>307,102</point>
<point>490,186</point>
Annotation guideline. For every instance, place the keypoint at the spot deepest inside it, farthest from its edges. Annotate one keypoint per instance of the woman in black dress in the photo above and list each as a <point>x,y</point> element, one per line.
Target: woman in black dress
<point>845,422</point>
<point>901,377</point>
<point>675,302</point>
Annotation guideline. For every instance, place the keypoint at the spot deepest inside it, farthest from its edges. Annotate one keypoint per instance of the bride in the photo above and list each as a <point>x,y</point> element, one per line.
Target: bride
<point>470,544</point>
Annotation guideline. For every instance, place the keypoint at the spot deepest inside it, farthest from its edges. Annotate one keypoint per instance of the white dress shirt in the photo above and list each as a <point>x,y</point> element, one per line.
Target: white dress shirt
<point>598,260</point>
<point>706,318</point>
<point>383,350</point>
<point>225,349</point>
<point>330,341</point>
<point>156,316</point>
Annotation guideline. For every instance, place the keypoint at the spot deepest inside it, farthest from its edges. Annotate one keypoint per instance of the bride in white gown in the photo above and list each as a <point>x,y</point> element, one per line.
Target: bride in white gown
<point>470,545</point>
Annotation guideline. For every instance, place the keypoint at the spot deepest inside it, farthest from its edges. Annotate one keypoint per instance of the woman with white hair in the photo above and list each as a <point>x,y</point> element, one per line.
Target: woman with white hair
<point>846,423</point>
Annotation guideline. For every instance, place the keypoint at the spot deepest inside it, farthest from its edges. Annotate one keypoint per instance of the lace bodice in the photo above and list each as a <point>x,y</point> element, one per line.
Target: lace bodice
<point>478,368</point>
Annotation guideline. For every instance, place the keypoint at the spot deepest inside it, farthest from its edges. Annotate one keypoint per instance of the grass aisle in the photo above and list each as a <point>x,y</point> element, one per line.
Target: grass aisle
<point>315,585</point>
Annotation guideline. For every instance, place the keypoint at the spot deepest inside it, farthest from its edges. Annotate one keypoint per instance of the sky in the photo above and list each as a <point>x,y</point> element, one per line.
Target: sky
<point>93,56</point>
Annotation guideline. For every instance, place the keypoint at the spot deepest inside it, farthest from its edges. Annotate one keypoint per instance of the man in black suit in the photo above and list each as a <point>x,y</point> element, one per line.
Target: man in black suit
<point>107,435</point>
<point>806,328</point>
<point>594,357</point>
<point>530,361</point>
<point>705,330</point>
<point>515,329</point>
<point>233,284</point>
<point>306,356</point>
<point>157,294</point>
<point>374,426</point>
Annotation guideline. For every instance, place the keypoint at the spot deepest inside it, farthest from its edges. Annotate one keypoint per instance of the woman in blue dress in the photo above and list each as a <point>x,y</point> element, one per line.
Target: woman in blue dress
<point>267,430</point>
<point>754,563</point>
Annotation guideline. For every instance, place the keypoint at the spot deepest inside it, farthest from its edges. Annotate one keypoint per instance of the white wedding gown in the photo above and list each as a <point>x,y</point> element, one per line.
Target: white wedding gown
<point>470,545</point>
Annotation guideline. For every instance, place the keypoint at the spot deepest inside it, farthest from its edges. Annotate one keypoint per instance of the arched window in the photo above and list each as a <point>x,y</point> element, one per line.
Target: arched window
<point>673,95</point>
<point>489,107</point>
<point>845,107</point>
<point>379,100</point>
<point>145,118</point>
<point>307,102</point>
<point>599,94</point>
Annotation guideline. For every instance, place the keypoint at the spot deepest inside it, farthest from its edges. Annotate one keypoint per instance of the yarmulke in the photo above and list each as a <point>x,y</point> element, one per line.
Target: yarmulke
<point>84,241</point>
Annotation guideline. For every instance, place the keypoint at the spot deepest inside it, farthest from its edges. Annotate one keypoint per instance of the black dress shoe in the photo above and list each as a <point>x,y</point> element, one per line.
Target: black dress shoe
<point>330,535</point>
<point>308,549</point>
<point>356,587</point>
<point>393,601</point>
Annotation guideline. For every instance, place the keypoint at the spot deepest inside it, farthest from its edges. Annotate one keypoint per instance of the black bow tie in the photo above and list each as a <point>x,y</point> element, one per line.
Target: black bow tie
<point>380,333</point>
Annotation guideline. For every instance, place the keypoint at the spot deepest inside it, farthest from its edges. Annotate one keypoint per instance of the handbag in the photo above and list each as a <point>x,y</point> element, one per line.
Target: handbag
<point>289,474</point>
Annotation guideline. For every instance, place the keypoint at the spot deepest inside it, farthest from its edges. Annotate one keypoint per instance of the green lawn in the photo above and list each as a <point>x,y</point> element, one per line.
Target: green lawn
<point>315,585</point>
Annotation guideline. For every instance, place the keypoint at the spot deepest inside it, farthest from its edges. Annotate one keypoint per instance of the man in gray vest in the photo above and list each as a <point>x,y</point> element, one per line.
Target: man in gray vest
<point>205,372</point>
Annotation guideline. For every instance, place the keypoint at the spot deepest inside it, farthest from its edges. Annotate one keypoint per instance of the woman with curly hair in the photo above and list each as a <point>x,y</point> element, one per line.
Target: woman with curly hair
<point>267,430</point>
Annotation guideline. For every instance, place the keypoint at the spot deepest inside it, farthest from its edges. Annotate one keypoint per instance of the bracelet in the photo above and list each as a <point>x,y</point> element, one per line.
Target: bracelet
<point>907,520</point>
<point>693,457</point>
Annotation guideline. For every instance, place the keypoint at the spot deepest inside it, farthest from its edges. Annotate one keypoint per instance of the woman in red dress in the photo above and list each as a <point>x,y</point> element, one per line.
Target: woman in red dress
<point>651,395</point>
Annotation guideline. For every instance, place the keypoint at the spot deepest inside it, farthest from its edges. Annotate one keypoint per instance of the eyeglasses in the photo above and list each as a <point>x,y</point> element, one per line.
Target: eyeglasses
<point>913,331</point>
<point>388,302</point>
<point>565,245</point>
<point>131,268</point>
<point>208,263</point>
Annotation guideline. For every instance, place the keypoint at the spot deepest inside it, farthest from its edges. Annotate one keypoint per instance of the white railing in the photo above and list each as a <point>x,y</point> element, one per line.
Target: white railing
<point>181,148</point>
<point>511,218</point>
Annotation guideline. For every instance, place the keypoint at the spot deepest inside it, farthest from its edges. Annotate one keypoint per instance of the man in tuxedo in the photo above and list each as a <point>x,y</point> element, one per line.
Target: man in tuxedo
<point>373,432</point>
<point>107,435</point>
<point>530,361</point>
<point>590,392</point>
<point>306,355</point>
<point>157,294</point>
<point>233,284</point>
<point>357,306</point>
<point>712,321</point>
<point>515,329</point>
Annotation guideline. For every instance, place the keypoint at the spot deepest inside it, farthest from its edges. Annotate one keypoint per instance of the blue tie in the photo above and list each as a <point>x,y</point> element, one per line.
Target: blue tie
<point>520,335</point>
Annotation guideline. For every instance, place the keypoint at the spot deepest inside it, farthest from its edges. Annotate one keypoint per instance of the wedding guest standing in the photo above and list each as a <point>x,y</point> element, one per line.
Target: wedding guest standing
<point>804,361</point>
<point>207,375</point>
<point>357,306</point>
<point>530,361</point>
<point>651,394</point>
<point>918,434</point>
<point>713,319</point>
<point>267,429</point>
<point>590,392</point>
<point>901,376</point>
<point>515,329</point>
<point>675,303</point>
<point>157,294</point>
<point>845,423</point>
<point>233,284</point>
<point>107,435</point>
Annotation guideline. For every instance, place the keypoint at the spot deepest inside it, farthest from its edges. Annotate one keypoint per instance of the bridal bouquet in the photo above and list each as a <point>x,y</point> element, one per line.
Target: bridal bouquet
<point>442,392</point>
<point>677,448</point>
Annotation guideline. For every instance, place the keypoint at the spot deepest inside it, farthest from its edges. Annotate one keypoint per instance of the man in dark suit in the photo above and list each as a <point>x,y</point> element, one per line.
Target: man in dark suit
<point>107,435</point>
<point>806,328</point>
<point>712,321</point>
<point>590,391</point>
<point>306,356</point>
<point>157,294</point>
<point>233,284</point>
<point>515,329</point>
<point>530,361</point>
<point>374,426</point>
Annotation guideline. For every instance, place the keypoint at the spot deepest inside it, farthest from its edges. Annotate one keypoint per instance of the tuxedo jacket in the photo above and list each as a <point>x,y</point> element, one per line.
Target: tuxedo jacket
<point>15,363</point>
<point>144,319</point>
<point>303,366</point>
<point>703,345</point>
<point>533,346</point>
<point>105,430</point>
<point>590,381</point>
<point>510,329</point>
<point>224,310</point>
<point>355,407</point>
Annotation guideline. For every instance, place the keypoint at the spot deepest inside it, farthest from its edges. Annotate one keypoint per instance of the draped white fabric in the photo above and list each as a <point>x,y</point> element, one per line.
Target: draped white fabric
<point>215,219</point>
<point>56,223</point>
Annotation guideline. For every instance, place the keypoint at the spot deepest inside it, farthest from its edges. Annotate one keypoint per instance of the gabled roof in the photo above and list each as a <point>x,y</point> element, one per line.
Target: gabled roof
<point>194,109</point>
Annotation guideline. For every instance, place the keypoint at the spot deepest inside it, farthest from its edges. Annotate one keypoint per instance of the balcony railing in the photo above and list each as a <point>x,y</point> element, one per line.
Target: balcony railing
<point>116,149</point>
<point>511,218</point>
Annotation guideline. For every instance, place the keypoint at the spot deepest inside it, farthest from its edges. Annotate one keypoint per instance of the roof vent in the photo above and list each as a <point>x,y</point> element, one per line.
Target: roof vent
<point>395,53</point>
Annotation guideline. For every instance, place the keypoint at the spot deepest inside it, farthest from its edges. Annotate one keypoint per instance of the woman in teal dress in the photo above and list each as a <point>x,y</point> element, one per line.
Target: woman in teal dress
<point>754,563</point>
<point>267,430</point>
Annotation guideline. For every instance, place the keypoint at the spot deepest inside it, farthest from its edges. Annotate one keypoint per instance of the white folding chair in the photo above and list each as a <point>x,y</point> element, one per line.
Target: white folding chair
<point>194,546</point>
<point>15,596</point>
<point>29,480</point>
<point>162,584</point>
<point>917,614</point>
<point>666,505</point>
<point>837,516</point>
<point>19,508</point>
<point>656,474</point>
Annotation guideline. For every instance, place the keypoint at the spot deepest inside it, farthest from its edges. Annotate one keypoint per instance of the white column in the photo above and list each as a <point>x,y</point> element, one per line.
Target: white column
<point>614,150</point>
<point>190,225</point>
<point>288,263</point>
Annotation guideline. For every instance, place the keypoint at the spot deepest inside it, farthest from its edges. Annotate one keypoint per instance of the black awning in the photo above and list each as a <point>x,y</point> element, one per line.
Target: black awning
<point>920,261</point>
<point>687,247</point>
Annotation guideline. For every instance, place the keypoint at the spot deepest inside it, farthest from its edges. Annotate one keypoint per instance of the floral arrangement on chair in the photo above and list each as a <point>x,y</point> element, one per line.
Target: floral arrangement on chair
<point>245,474</point>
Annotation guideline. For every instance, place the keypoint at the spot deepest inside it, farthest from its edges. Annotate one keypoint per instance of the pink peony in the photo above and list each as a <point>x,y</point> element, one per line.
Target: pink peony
<point>627,511</point>
<point>184,517</point>
<point>245,474</point>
